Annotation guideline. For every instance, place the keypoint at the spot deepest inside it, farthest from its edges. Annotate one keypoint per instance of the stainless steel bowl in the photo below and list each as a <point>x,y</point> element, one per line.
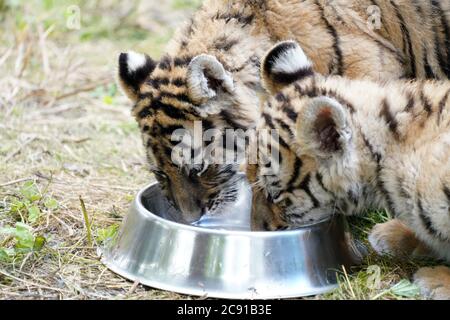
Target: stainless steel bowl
<point>220,257</point>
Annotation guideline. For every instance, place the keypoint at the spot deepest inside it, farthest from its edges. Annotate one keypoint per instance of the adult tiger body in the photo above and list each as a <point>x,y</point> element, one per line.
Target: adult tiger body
<point>347,146</point>
<point>218,52</point>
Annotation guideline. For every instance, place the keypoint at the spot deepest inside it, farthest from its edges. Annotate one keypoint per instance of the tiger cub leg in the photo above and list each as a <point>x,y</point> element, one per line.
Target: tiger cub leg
<point>434,282</point>
<point>395,238</point>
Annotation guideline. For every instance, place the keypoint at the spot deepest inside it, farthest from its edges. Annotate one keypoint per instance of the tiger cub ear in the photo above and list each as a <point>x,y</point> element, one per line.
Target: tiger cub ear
<point>284,64</point>
<point>134,69</point>
<point>323,128</point>
<point>207,78</point>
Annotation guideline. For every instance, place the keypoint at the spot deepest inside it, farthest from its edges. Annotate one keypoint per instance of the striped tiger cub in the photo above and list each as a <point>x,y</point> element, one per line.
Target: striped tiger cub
<point>211,73</point>
<point>349,145</point>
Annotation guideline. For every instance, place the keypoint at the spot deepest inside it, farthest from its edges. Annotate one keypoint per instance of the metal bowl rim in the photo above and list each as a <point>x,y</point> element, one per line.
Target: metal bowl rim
<point>141,208</point>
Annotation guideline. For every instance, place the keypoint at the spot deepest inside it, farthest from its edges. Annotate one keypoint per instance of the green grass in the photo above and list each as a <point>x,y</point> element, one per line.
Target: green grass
<point>66,134</point>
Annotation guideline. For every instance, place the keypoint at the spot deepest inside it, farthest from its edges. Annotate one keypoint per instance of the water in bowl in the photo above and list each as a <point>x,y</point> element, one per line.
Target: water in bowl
<point>232,217</point>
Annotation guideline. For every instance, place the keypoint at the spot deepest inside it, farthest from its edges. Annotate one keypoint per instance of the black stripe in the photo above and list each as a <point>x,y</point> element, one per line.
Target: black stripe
<point>179,82</point>
<point>283,143</point>
<point>380,183</point>
<point>280,97</point>
<point>142,96</point>
<point>444,63</point>
<point>288,78</point>
<point>428,224</point>
<point>304,185</point>
<point>182,61</point>
<point>374,3</point>
<point>188,31</point>
<point>168,152</point>
<point>319,179</point>
<point>410,104</point>
<point>168,129</point>
<point>442,105</point>
<point>253,60</point>
<point>402,191</point>
<point>305,91</point>
<point>224,43</point>
<point>268,120</point>
<point>313,92</point>
<point>181,97</point>
<point>384,192</point>
<point>340,99</point>
<point>229,118</point>
<point>287,109</point>
<point>447,193</point>
<point>145,112</point>
<point>376,156</point>
<point>184,43</point>
<point>207,125</point>
<point>244,20</point>
<point>337,63</point>
<point>157,82</point>
<point>169,110</point>
<point>438,49</point>
<point>254,85</point>
<point>407,39</point>
<point>396,53</point>
<point>391,121</point>
<point>429,74</point>
<point>272,151</point>
<point>284,126</point>
<point>418,8</point>
<point>426,103</point>
<point>165,63</point>
<point>297,166</point>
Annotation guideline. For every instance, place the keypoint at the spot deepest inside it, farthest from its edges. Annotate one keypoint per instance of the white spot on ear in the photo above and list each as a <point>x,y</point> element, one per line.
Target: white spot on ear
<point>291,60</point>
<point>135,61</point>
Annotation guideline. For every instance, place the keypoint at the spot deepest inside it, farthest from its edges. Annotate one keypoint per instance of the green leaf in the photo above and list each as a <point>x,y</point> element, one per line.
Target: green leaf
<point>17,206</point>
<point>22,233</point>
<point>30,191</point>
<point>8,231</point>
<point>51,204</point>
<point>24,236</point>
<point>405,289</point>
<point>33,214</point>
<point>112,90</point>
<point>39,243</point>
<point>6,254</point>
<point>108,100</point>
<point>48,4</point>
<point>107,233</point>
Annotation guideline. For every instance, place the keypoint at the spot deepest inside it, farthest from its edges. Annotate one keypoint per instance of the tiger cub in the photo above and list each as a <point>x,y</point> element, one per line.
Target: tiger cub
<point>349,145</point>
<point>218,52</point>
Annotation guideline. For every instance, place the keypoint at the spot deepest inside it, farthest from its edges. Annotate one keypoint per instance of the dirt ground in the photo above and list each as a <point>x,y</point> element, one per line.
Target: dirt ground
<point>67,136</point>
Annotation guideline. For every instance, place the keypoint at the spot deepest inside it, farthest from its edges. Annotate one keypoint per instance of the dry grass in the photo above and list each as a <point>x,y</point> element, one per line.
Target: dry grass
<point>64,126</point>
<point>67,134</point>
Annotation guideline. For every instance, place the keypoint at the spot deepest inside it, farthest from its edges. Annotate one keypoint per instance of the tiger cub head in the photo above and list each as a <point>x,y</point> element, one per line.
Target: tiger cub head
<point>178,93</point>
<point>315,144</point>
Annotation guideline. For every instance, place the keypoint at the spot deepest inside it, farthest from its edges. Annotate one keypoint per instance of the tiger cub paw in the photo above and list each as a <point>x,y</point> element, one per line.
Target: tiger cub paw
<point>396,239</point>
<point>434,282</point>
